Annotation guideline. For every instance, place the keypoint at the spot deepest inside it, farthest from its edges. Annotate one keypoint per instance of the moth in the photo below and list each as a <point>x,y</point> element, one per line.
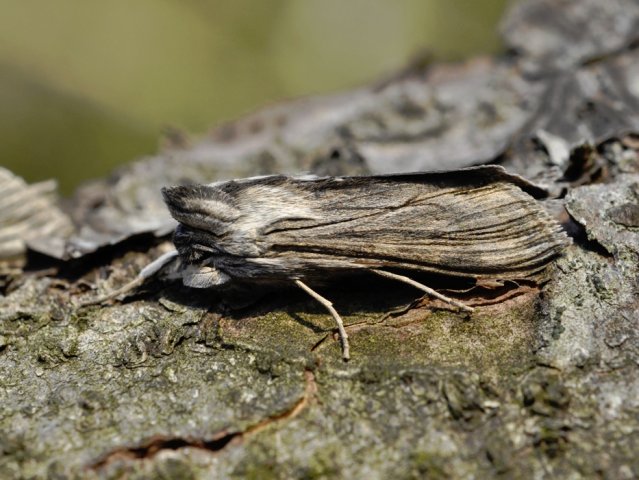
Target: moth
<point>480,223</point>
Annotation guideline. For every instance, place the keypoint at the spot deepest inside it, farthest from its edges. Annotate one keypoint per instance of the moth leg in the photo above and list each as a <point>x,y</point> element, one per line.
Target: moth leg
<point>147,272</point>
<point>423,288</point>
<point>343,336</point>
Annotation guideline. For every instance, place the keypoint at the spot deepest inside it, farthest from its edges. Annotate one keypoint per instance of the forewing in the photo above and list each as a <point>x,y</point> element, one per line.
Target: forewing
<point>468,228</point>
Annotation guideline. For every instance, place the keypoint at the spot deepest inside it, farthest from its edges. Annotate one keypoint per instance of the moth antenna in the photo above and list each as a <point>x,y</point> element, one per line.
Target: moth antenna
<point>343,336</point>
<point>132,285</point>
<point>423,288</point>
<point>147,272</point>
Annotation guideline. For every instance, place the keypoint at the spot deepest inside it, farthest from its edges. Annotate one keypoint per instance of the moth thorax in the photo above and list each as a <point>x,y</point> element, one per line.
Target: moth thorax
<point>217,209</point>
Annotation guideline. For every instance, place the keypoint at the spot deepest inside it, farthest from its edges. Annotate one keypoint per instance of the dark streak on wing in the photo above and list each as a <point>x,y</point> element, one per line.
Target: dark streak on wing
<point>477,176</point>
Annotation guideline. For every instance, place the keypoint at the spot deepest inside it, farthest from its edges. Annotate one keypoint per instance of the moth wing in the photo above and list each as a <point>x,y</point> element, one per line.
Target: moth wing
<point>484,230</point>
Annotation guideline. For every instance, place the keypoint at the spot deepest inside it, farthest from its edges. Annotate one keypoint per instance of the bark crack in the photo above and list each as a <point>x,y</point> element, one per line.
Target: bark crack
<point>217,442</point>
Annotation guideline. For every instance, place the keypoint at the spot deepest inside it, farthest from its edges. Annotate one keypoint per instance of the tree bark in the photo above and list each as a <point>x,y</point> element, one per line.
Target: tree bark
<point>541,381</point>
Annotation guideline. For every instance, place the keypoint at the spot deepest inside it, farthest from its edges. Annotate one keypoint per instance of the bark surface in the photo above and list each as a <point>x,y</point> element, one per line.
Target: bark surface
<point>542,381</point>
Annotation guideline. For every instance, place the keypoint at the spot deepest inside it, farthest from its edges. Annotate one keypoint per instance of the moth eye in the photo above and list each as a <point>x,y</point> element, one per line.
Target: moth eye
<point>194,255</point>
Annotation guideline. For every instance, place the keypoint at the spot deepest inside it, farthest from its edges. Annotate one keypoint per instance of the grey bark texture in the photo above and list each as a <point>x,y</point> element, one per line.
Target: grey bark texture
<point>541,381</point>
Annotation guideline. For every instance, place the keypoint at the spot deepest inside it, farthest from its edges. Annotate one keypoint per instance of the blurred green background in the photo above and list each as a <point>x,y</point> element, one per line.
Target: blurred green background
<point>88,85</point>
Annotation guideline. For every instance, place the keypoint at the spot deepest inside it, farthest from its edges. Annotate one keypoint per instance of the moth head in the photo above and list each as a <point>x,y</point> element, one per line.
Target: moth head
<point>194,246</point>
<point>206,215</point>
